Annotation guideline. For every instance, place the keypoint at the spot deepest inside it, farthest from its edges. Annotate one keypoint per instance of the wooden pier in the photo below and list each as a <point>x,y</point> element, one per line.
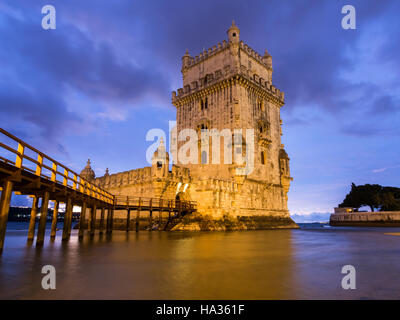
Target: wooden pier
<point>161,214</point>
<point>25,170</point>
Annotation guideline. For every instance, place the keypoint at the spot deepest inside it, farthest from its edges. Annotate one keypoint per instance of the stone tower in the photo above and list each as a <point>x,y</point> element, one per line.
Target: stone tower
<point>228,113</point>
<point>229,86</point>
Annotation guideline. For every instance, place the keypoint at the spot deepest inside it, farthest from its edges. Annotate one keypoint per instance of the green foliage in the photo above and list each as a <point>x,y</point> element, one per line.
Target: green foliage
<point>373,195</point>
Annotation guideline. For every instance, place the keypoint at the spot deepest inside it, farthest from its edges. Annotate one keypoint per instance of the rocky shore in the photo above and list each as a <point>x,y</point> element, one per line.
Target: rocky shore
<point>208,223</point>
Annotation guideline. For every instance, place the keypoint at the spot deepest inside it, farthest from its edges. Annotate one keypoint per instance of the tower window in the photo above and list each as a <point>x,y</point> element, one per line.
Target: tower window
<point>262,157</point>
<point>204,104</point>
<point>159,164</point>
<point>234,34</point>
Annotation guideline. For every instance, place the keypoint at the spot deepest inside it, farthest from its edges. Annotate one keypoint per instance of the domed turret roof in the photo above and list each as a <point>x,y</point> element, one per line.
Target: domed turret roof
<point>283,154</point>
<point>88,172</point>
<point>233,26</point>
<point>161,151</point>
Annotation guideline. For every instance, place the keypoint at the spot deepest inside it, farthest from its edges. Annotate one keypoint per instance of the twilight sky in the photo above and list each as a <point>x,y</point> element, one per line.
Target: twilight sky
<point>93,87</point>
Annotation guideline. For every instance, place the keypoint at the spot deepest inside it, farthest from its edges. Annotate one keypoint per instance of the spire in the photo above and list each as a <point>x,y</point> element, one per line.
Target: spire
<point>233,33</point>
<point>161,152</point>
<point>186,59</point>
<point>267,59</point>
<point>107,173</point>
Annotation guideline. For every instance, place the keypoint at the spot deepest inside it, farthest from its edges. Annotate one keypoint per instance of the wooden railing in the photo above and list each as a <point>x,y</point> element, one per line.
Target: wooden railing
<point>154,203</point>
<point>32,160</point>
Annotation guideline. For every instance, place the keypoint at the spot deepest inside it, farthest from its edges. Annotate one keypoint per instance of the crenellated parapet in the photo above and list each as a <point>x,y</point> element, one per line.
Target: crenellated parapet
<point>189,61</point>
<point>215,82</point>
<point>142,175</point>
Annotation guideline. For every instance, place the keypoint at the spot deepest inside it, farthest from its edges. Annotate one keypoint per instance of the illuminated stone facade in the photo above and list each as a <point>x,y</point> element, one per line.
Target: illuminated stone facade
<point>228,86</point>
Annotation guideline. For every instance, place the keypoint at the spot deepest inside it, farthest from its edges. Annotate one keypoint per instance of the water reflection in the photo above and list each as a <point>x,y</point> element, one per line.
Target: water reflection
<point>276,264</point>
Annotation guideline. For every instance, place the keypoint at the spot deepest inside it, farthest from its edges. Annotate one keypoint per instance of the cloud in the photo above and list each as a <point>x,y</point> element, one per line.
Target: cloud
<point>41,70</point>
<point>311,217</point>
<point>379,170</point>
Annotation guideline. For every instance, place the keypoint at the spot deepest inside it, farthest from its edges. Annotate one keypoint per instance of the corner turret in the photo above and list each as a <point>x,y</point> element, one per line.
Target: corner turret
<point>233,33</point>
<point>88,173</point>
<point>160,161</point>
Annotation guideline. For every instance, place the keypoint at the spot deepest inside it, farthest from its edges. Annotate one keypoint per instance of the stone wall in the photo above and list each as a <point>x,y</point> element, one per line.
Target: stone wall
<point>388,218</point>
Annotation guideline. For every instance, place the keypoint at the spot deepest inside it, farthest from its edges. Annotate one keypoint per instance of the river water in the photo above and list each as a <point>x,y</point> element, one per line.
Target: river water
<point>271,264</point>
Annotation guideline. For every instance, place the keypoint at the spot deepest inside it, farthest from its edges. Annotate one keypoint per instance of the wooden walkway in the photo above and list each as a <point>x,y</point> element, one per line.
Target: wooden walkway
<point>25,170</point>
<point>176,210</point>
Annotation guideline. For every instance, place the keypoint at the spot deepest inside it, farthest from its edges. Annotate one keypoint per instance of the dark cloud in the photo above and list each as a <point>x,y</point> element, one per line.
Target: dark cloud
<point>115,55</point>
<point>40,68</point>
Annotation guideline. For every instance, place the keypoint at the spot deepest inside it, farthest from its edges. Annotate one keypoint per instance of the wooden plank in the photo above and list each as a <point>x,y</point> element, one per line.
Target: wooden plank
<point>67,218</point>
<point>82,220</point>
<point>43,219</point>
<point>32,220</point>
<point>93,221</point>
<point>151,214</point>
<point>138,215</point>
<point>5,200</point>
<point>101,227</point>
<point>54,220</point>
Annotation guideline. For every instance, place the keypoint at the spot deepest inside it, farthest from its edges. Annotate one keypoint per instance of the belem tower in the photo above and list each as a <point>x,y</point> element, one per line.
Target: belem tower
<point>228,86</point>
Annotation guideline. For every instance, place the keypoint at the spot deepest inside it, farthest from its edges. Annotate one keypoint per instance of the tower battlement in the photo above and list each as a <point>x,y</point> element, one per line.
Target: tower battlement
<point>232,59</point>
<point>190,61</point>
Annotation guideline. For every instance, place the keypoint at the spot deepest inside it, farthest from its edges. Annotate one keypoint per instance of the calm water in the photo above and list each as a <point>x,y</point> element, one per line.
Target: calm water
<point>276,264</point>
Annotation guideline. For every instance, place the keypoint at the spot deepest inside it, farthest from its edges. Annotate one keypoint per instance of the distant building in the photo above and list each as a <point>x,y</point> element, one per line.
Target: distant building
<point>344,210</point>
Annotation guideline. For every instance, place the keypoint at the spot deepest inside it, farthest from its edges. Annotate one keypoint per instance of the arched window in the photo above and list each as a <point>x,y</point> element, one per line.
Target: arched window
<point>262,157</point>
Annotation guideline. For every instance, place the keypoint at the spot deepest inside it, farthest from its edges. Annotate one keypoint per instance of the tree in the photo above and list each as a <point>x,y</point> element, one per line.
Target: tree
<point>373,195</point>
<point>352,198</point>
<point>390,199</point>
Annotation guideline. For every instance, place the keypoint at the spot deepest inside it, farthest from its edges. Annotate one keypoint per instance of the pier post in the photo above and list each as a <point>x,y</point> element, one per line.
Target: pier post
<point>112,219</point>
<point>32,221</point>
<point>180,209</point>
<point>101,227</point>
<point>128,220</point>
<point>90,221</point>
<point>82,220</point>
<point>128,215</point>
<point>4,209</point>
<point>54,221</point>
<point>160,214</point>
<point>138,215</point>
<point>93,222</point>
<point>108,220</point>
<point>151,215</point>
<point>43,219</point>
<point>67,219</point>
